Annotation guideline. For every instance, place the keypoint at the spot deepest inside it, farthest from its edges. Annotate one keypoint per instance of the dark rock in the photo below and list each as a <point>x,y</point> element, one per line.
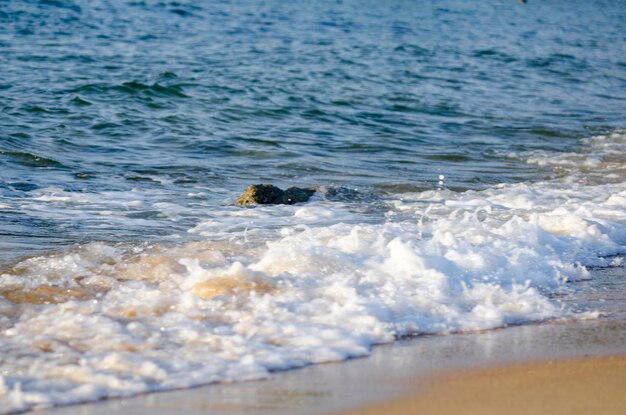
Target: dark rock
<point>267,194</point>
<point>263,194</point>
<point>296,195</point>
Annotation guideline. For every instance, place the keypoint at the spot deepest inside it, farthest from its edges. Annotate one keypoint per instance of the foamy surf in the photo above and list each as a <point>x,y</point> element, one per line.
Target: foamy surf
<point>275,288</point>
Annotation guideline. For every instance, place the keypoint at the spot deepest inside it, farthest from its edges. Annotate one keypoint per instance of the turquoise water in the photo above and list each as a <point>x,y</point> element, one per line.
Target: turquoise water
<point>469,160</point>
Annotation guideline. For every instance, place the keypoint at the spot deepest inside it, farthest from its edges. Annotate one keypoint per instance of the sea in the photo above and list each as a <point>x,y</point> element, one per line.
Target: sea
<point>468,157</point>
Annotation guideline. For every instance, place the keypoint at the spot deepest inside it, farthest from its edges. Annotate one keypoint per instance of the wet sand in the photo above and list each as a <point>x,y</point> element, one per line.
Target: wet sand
<point>419,368</point>
<point>582,386</point>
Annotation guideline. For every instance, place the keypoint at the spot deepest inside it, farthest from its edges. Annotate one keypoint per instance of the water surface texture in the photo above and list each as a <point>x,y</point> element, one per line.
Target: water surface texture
<point>468,157</point>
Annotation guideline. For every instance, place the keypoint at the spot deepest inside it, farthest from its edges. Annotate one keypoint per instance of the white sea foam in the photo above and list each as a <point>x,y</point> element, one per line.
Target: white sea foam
<point>601,159</point>
<point>280,287</point>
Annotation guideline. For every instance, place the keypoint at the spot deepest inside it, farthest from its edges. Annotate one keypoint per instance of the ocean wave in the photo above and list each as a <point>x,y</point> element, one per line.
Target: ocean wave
<point>274,288</point>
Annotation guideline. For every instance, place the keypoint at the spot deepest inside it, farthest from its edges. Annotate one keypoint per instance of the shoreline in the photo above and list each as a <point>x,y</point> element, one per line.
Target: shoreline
<point>388,376</point>
<point>569,386</point>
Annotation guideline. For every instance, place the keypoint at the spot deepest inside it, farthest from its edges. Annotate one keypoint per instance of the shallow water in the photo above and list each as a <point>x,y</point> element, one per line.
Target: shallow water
<point>469,161</point>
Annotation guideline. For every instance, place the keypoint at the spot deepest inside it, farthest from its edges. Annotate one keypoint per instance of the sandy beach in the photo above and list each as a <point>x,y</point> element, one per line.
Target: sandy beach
<point>579,386</point>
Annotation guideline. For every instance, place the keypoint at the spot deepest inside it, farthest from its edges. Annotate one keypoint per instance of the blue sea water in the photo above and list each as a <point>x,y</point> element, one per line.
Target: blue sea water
<point>200,96</point>
<point>128,128</point>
